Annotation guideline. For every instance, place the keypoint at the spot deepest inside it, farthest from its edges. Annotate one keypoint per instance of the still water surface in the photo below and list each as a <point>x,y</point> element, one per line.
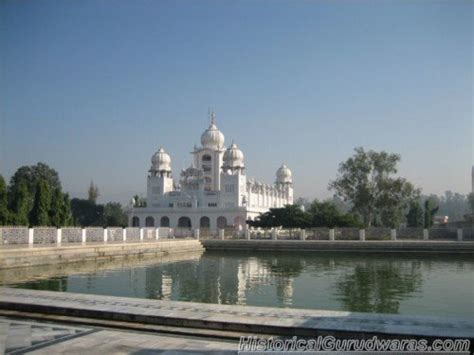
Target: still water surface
<point>383,283</point>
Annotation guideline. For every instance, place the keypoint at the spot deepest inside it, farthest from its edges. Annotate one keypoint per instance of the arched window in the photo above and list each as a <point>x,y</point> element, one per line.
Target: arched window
<point>164,221</point>
<point>205,222</point>
<point>135,222</point>
<point>221,222</point>
<point>149,222</point>
<point>184,222</point>
<point>206,157</point>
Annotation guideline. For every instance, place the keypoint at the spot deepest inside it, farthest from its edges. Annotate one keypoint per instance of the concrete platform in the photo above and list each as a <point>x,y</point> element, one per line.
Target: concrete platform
<point>39,337</point>
<point>251,320</point>
<point>398,246</point>
<point>35,256</point>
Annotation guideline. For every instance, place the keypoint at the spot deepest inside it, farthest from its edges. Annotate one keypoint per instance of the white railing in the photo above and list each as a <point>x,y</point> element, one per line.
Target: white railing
<point>75,235</point>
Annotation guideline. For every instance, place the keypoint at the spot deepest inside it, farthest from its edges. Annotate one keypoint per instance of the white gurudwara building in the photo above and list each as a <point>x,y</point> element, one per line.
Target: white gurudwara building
<point>213,193</point>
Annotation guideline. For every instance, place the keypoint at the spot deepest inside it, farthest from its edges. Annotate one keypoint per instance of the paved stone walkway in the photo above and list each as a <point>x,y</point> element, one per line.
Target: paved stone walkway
<point>235,318</point>
<point>30,337</point>
<point>19,336</point>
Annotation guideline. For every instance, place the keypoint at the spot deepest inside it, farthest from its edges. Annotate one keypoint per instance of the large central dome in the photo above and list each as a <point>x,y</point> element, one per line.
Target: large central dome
<point>212,138</point>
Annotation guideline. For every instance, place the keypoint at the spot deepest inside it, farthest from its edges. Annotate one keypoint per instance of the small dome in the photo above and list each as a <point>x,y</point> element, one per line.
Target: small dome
<point>284,174</point>
<point>212,138</point>
<point>233,157</point>
<point>161,161</point>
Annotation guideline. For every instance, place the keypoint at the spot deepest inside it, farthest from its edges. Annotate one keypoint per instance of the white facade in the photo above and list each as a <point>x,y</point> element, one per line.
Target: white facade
<point>214,192</point>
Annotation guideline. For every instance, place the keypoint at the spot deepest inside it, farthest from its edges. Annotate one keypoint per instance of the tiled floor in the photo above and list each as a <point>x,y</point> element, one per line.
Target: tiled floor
<point>21,337</point>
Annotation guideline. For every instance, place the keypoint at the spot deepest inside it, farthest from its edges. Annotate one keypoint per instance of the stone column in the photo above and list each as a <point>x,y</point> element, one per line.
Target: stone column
<point>31,236</point>
<point>303,234</point>
<point>426,234</point>
<point>59,236</point>
<point>221,234</point>
<point>393,234</point>
<point>124,234</point>
<point>274,233</point>
<point>362,234</point>
<point>197,233</point>
<point>460,234</point>
<point>332,234</point>
<point>157,233</point>
<point>247,233</point>
<point>83,235</point>
<point>106,235</point>
<point>141,234</point>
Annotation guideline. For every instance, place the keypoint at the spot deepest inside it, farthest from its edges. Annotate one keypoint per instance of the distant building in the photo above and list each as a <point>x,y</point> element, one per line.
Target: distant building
<point>214,192</point>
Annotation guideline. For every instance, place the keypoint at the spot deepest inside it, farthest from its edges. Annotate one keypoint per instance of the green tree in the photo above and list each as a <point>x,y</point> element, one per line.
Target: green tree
<point>39,215</point>
<point>430,210</point>
<point>56,208</point>
<point>327,214</point>
<point>394,200</point>
<point>86,213</point>
<point>470,199</point>
<point>290,216</point>
<point>4,213</point>
<point>20,204</point>
<point>114,215</point>
<point>138,201</point>
<point>93,192</point>
<point>66,215</point>
<point>366,181</point>
<point>415,217</point>
<point>31,175</point>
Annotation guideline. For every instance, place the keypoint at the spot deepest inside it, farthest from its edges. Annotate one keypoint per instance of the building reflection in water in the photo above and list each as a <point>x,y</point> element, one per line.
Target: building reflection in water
<point>353,282</point>
<point>375,285</point>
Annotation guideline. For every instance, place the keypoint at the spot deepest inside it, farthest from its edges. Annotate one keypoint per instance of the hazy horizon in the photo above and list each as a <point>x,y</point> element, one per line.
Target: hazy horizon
<point>93,90</point>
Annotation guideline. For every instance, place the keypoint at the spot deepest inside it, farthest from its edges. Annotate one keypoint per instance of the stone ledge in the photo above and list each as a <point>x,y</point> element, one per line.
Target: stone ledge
<point>342,245</point>
<point>253,320</point>
<point>23,257</point>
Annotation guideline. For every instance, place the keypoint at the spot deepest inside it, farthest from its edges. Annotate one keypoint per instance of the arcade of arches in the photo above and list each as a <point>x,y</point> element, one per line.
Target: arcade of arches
<point>185,222</point>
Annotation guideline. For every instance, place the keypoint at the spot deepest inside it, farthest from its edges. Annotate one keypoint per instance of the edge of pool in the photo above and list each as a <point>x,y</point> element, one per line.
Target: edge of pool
<point>246,319</point>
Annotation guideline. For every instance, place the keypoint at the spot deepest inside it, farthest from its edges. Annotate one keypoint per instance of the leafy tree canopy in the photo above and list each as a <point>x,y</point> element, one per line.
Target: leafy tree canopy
<point>31,175</point>
<point>4,213</point>
<point>87,213</point>
<point>39,215</point>
<point>114,215</point>
<point>366,181</point>
<point>93,192</point>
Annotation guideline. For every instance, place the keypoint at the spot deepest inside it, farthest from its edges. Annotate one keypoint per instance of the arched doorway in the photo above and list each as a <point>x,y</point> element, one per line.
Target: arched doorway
<point>149,222</point>
<point>221,222</point>
<point>135,222</point>
<point>204,222</point>
<point>184,222</point>
<point>164,221</point>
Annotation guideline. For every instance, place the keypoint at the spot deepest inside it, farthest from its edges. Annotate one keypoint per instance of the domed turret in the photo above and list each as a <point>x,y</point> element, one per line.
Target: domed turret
<point>284,175</point>
<point>233,157</point>
<point>212,138</point>
<point>161,161</point>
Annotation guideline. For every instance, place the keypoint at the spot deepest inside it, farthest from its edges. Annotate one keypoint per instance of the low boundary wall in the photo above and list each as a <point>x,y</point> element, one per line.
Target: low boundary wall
<point>346,246</point>
<point>11,236</point>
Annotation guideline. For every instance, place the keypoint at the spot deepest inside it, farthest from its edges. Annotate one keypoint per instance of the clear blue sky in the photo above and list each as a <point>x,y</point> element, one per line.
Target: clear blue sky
<point>93,88</point>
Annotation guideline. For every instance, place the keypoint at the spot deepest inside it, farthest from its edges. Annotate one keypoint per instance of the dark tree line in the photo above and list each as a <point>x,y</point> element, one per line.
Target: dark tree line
<point>34,197</point>
<point>369,194</point>
<point>319,214</point>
